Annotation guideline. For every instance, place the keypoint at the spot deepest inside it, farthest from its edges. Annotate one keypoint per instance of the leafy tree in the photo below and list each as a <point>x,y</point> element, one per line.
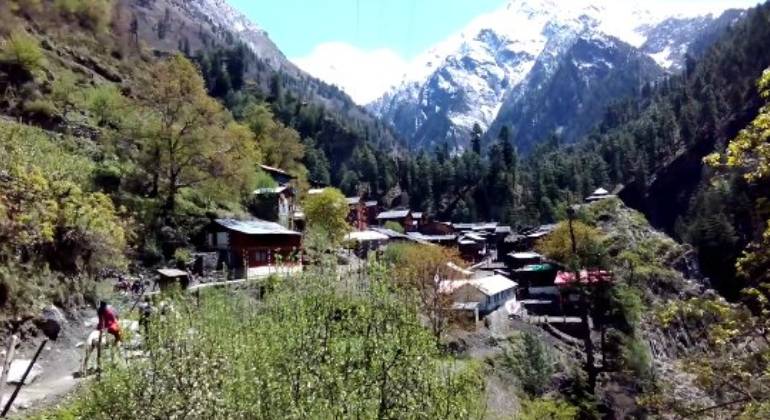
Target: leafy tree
<point>327,212</point>
<point>189,140</point>
<point>417,268</point>
<point>588,244</point>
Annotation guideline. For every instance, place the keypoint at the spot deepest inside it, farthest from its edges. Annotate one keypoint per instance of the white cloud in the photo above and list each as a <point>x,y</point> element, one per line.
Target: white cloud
<point>362,74</point>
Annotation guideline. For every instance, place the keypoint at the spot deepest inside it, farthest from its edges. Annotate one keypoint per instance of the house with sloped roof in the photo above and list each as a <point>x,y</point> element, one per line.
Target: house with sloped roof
<point>480,295</point>
<point>400,216</point>
<point>357,217</point>
<point>255,248</point>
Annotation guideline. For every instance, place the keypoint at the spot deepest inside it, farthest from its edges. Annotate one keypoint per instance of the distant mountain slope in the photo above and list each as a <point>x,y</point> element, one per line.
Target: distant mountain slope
<point>568,96</point>
<point>494,63</point>
<point>199,26</point>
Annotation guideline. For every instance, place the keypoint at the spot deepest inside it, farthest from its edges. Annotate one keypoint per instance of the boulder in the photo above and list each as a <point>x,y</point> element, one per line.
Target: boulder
<point>51,322</point>
<point>17,369</point>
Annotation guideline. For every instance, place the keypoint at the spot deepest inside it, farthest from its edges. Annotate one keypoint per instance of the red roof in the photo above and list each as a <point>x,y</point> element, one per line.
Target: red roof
<point>565,278</point>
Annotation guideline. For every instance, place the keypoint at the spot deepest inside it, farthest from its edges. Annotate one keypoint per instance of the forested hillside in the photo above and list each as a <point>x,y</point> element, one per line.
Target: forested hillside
<point>112,154</point>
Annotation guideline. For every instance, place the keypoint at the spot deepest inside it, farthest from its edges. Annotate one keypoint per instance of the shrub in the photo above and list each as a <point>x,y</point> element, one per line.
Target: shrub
<point>42,107</point>
<point>106,104</point>
<point>531,362</point>
<point>90,14</point>
<point>22,50</point>
<point>394,226</point>
<point>305,352</point>
<point>547,409</point>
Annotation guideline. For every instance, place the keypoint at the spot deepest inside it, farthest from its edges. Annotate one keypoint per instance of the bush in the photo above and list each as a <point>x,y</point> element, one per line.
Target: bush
<point>394,226</point>
<point>22,50</point>
<point>305,352</point>
<point>41,107</point>
<point>106,104</point>
<point>531,362</point>
<point>547,409</point>
<point>90,14</point>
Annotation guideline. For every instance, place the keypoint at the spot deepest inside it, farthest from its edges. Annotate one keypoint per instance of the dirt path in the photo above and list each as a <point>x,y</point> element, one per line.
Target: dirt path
<point>59,361</point>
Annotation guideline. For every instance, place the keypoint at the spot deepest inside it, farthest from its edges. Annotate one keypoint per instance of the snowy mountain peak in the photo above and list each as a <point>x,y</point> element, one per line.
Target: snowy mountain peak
<point>468,78</point>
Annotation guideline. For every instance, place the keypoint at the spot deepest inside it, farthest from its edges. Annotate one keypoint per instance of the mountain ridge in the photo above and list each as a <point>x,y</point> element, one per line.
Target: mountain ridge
<point>448,94</point>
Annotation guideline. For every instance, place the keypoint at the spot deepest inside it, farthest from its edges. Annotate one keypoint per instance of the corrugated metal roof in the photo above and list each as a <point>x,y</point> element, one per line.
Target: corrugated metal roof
<point>493,285</point>
<point>417,215</point>
<point>489,286</point>
<point>255,227</point>
<point>525,255</point>
<point>366,235</point>
<point>372,203</point>
<point>274,190</point>
<point>353,200</point>
<point>393,214</point>
<point>432,238</point>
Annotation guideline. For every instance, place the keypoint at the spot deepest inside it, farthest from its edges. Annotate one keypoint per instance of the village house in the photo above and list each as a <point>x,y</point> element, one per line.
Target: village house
<point>472,247</point>
<point>255,248</point>
<point>443,240</point>
<point>274,204</point>
<point>437,228</point>
<point>280,176</point>
<point>357,217</point>
<point>570,288</point>
<point>481,295</point>
<point>418,219</point>
<point>401,216</point>
<point>372,210</point>
<point>278,203</point>
<point>599,194</point>
<point>515,260</point>
<point>365,241</point>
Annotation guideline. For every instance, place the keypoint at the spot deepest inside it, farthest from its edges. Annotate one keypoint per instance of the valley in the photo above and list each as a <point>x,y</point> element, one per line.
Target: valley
<point>560,212</point>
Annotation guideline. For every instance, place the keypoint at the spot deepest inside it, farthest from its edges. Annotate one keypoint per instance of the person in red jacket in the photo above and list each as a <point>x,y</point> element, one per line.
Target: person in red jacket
<point>108,319</point>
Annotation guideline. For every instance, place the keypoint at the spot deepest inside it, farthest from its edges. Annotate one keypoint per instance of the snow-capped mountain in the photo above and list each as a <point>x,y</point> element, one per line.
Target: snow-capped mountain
<point>488,73</point>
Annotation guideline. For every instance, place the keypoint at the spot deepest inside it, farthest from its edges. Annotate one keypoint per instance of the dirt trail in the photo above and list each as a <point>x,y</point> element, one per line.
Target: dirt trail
<point>60,363</point>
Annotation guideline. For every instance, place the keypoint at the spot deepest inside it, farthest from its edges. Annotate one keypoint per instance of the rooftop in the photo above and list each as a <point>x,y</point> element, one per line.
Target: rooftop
<point>271,190</point>
<point>489,286</point>
<point>394,214</point>
<point>255,227</point>
<point>432,238</point>
<point>171,272</point>
<point>275,170</point>
<point>525,255</point>
<point>352,200</point>
<point>372,203</point>
<point>366,236</point>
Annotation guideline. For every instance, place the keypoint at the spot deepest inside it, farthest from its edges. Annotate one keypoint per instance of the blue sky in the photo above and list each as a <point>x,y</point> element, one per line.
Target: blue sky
<point>408,27</point>
<point>366,46</point>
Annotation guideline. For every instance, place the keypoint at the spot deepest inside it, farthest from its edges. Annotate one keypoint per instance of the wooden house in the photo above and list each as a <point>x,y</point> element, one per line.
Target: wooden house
<point>357,217</point>
<point>255,248</point>
<point>372,210</point>
<point>400,216</point>
<point>280,176</point>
